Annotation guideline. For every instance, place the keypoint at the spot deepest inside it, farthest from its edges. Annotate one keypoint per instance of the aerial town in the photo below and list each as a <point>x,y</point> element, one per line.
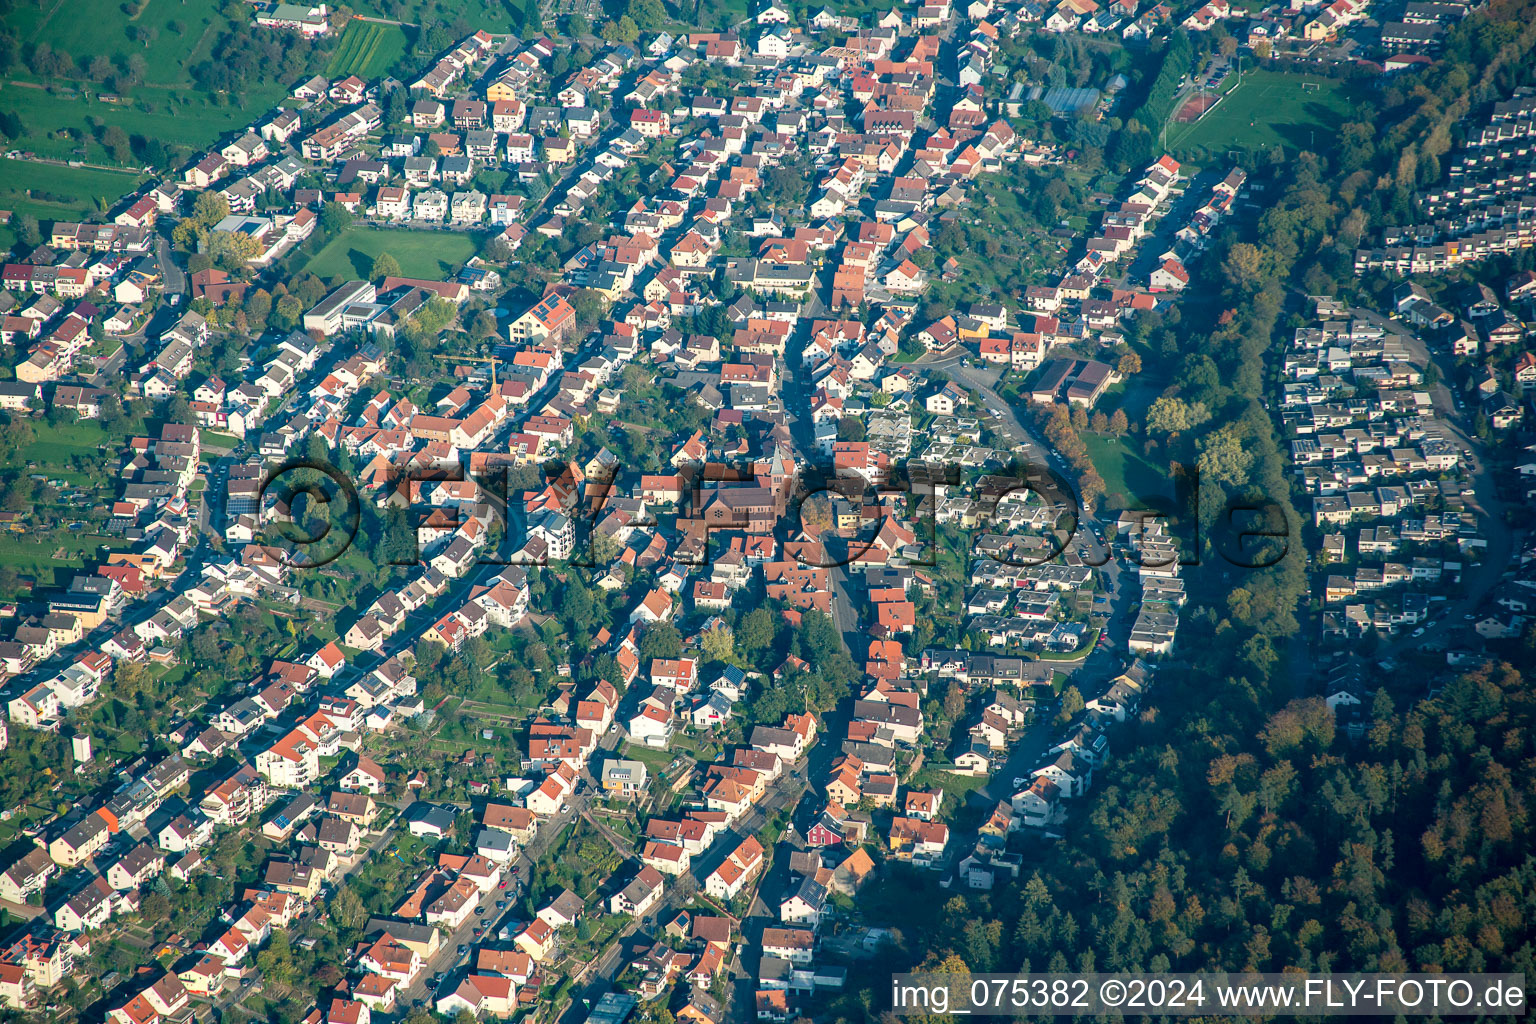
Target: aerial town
<point>600,514</point>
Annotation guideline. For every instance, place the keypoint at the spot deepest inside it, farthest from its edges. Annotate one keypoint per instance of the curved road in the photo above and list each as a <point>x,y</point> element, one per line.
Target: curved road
<point>1005,421</point>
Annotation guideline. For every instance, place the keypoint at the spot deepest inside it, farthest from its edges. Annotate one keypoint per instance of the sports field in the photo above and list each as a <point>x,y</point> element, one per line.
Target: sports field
<point>1129,479</point>
<point>1264,110</point>
<point>367,49</point>
<point>426,254</point>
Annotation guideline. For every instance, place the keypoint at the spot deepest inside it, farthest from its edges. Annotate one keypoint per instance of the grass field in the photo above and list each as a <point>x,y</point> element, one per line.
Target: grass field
<point>61,449</point>
<point>1127,475</point>
<point>57,121</point>
<point>491,15</point>
<point>76,458</point>
<point>367,49</point>
<point>171,35</point>
<point>60,117</point>
<point>64,193</point>
<point>1264,110</point>
<point>39,555</point>
<point>957,788</point>
<point>424,254</point>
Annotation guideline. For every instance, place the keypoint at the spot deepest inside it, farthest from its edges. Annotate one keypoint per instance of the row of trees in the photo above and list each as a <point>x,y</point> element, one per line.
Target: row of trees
<point>1159,92</point>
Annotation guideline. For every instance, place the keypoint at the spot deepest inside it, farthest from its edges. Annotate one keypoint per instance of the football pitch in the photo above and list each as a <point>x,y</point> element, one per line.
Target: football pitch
<point>1263,110</point>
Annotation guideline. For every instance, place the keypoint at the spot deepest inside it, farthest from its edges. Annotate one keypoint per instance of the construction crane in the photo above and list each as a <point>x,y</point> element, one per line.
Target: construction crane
<point>476,359</point>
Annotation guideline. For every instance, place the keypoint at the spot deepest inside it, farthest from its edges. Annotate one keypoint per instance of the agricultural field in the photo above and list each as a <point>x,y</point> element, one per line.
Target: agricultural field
<point>491,15</point>
<point>367,49</point>
<point>1262,111</point>
<point>424,254</point>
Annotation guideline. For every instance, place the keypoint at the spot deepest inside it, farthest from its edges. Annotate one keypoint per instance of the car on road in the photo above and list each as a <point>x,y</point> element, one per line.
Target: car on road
<point>1420,631</point>
<point>463,949</point>
<point>479,932</point>
<point>501,904</point>
<point>1018,781</point>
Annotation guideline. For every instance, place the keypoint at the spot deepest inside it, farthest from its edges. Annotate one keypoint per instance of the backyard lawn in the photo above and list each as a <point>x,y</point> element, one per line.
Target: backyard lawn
<point>956,787</point>
<point>1264,110</point>
<point>425,254</point>
<point>653,759</point>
